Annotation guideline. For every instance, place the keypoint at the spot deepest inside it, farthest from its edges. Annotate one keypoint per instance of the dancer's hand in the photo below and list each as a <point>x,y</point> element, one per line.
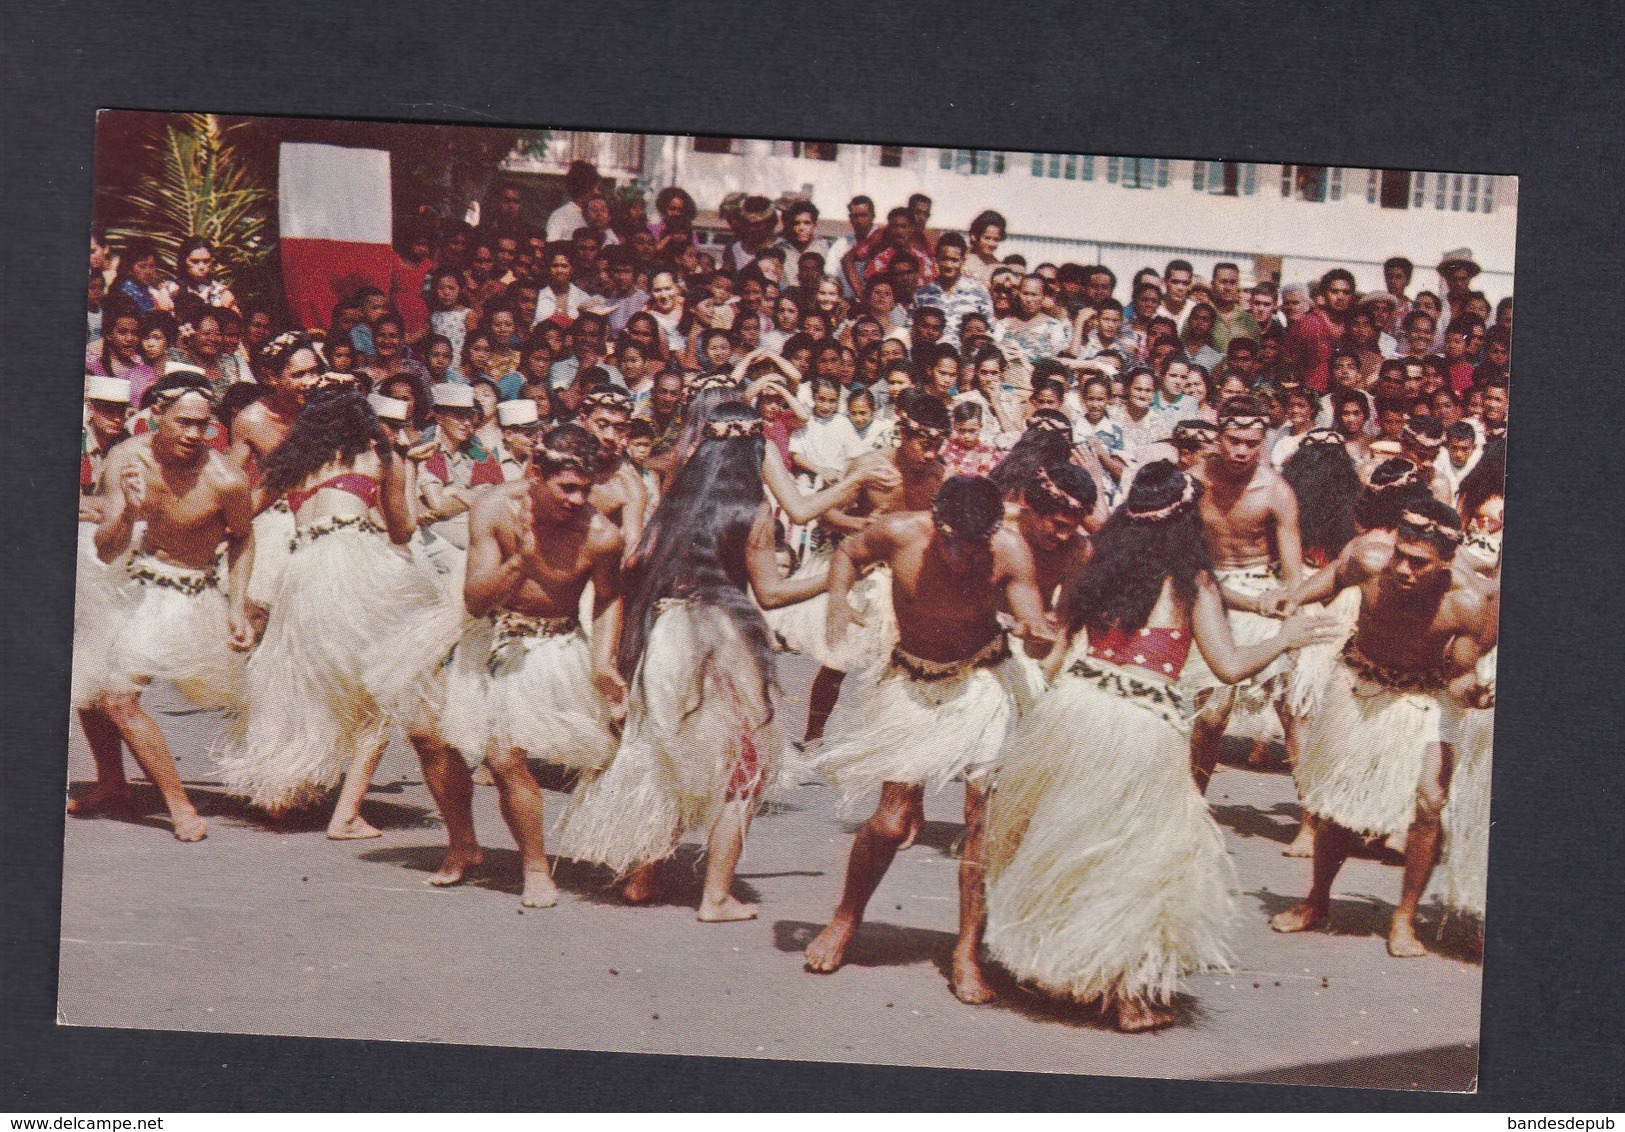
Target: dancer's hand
<point>241,629</point>
<point>611,687</point>
<point>876,470</point>
<point>132,482</point>
<point>842,616</point>
<point>421,451</point>
<point>1277,603</point>
<point>90,511</point>
<point>1303,629</point>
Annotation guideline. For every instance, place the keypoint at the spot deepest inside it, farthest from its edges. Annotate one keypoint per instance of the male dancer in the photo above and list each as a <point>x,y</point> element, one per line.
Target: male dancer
<point>618,493</point>
<point>534,544</point>
<point>1055,505</point>
<point>922,433</point>
<point>944,704</point>
<point>1250,524</point>
<point>192,499</point>
<point>1375,758</point>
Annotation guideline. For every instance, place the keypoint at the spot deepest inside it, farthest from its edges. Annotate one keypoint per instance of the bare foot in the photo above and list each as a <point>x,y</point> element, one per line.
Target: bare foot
<point>968,983</point>
<point>482,776</point>
<point>456,868</point>
<point>726,911</point>
<point>190,827</point>
<point>1402,941</point>
<point>641,886</point>
<point>353,829</point>
<point>1259,756</point>
<point>1137,1015</point>
<point>1302,918</point>
<point>1302,845</point>
<point>826,953</point>
<point>540,891</point>
<point>100,798</point>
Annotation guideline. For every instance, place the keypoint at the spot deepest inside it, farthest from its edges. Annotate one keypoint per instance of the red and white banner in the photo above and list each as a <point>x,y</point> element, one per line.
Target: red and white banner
<point>336,226</point>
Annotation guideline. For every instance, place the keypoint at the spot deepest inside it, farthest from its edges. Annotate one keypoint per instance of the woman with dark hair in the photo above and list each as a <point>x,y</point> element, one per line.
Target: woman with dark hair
<point>140,279</point>
<point>194,273</point>
<point>1108,878</point>
<point>1322,476</point>
<point>312,719</point>
<point>158,334</point>
<point>703,735</point>
<point>1048,439</point>
<point>674,230</point>
<point>987,232</point>
<point>117,353</point>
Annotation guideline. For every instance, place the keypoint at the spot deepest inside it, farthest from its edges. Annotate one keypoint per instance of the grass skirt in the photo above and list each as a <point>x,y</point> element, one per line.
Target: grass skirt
<point>96,609</point>
<point>695,738</point>
<point>273,531</point>
<point>1314,665</point>
<point>310,707</point>
<point>539,695</point>
<point>905,728</point>
<point>168,622</point>
<point>801,627</point>
<point>1463,872</point>
<point>1361,752</point>
<point>1107,875</point>
<point>1256,693</point>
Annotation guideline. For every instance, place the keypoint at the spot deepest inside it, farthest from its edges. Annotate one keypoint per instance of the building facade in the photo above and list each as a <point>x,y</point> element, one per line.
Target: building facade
<point>1290,222</point>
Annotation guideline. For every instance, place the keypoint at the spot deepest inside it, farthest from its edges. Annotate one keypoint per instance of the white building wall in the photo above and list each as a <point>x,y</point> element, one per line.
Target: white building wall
<point>1091,221</point>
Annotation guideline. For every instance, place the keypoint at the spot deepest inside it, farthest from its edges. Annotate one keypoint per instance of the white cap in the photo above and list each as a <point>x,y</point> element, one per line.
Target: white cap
<point>184,367</point>
<point>453,395</point>
<point>112,389</point>
<point>388,408</point>
<point>519,412</point>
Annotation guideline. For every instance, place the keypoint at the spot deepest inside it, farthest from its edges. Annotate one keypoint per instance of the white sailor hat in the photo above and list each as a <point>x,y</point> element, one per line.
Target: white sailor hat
<point>453,395</point>
<point>388,408</point>
<point>184,367</point>
<point>513,414</point>
<point>115,390</point>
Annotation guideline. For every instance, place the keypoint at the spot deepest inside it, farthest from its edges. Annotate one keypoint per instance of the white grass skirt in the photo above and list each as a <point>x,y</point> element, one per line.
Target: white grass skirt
<point>1463,872</point>
<point>1107,875</point>
<point>310,707</point>
<point>929,731</point>
<point>695,737</point>
<point>1361,752</point>
<point>273,530</point>
<point>802,626</point>
<point>97,601</point>
<point>170,623</point>
<point>1256,693</point>
<point>1314,665</point>
<point>539,695</point>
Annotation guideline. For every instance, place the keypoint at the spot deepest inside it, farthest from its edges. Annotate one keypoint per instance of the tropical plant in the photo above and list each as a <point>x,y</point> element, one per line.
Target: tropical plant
<point>197,183</point>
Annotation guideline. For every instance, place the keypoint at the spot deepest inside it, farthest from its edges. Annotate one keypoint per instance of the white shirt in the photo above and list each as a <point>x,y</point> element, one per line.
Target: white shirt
<point>547,303</point>
<point>827,442</point>
<point>563,221</point>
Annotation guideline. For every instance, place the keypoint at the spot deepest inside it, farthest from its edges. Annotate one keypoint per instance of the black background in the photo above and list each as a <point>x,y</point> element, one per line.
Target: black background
<point>1413,86</point>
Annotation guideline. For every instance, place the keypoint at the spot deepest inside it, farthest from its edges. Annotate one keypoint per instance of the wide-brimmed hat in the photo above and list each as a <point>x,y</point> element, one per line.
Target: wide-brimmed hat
<point>388,408</point>
<point>1460,257</point>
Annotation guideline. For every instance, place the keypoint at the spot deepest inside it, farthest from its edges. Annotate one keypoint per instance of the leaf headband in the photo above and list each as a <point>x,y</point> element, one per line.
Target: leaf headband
<point>612,399</point>
<point>1321,438</point>
<point>1056,498</point>
<point>1417,437</point>
<point>1423,524</point>
<point>727,430</point>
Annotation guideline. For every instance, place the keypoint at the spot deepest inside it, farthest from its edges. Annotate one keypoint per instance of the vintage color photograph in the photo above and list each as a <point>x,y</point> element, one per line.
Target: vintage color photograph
<point>801,600</point>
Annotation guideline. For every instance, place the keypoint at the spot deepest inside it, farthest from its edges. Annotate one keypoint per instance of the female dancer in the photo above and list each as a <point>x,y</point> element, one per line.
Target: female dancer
<point>703,736</point>
<point>311,718</point>
<point>1107,876</point>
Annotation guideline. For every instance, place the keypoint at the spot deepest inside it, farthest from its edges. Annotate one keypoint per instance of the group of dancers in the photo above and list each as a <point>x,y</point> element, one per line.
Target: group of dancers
<point>1007,632</point>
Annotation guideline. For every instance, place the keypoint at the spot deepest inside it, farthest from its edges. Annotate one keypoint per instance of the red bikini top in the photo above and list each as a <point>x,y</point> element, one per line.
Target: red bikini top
<point>1160,650</point>
<point>364,488</point>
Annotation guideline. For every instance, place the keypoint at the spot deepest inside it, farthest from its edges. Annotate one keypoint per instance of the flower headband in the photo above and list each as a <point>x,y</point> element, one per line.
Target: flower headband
<point>910,425</point>
<point>1047,422</point>
<point>1410,478</point>
<point>726,430</point>
<point>1056,498</point>
<point>1226,423</point>
<point>1423,524</point>
<point>1186,500</point>
<point>1321,438</point>
<point>1420,439</point>
<point>715,381</point>
<point>1192,433</point>
<point>612,399</point>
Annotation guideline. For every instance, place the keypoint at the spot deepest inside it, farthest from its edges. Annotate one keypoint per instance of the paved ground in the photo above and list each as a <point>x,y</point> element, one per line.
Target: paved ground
<point>283,932</point>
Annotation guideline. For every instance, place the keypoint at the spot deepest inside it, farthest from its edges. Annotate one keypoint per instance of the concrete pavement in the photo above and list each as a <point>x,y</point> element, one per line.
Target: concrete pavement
<point>279,931</point>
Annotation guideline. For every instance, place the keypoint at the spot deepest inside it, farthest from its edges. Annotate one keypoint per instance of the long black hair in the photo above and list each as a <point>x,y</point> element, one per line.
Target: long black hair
<point>1048,440</point>
<point>1323,478</point>
<point>694,545</point>
<point>334,424</point>
<point>1135,555</point>
<point>1484,482</point>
